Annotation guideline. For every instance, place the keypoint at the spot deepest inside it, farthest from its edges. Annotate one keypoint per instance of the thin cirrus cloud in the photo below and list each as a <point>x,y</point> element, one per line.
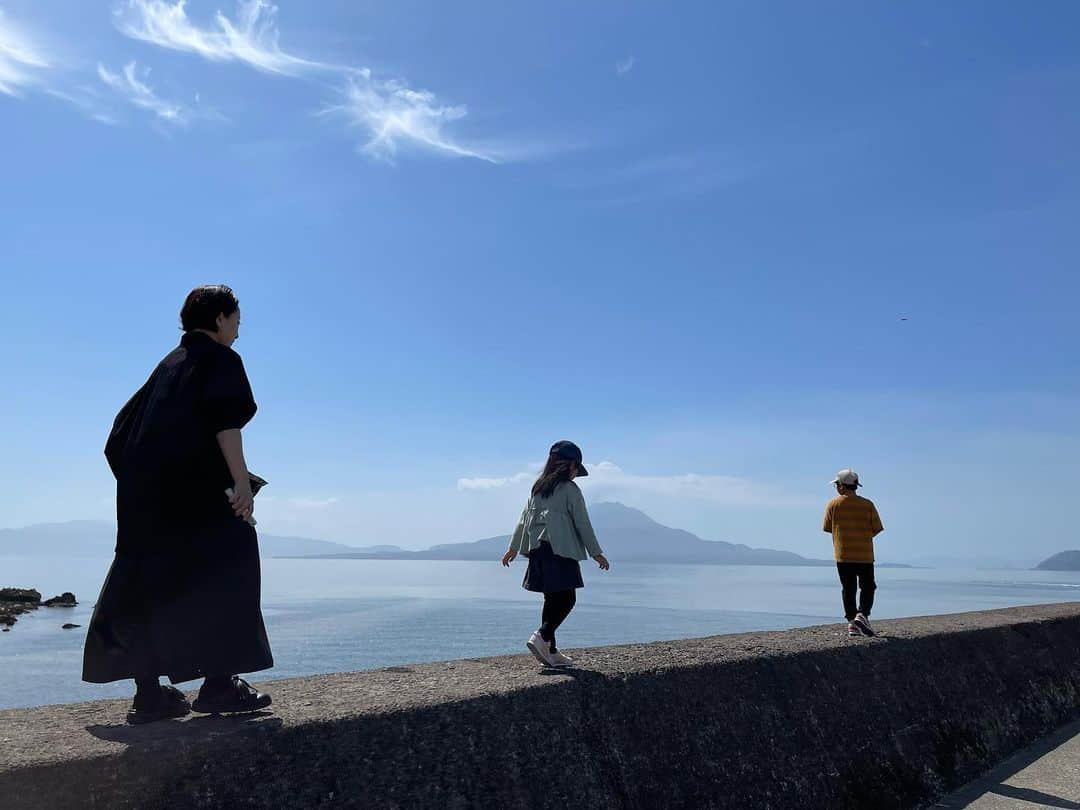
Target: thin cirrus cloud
<point>311,503</point>
<point>24,65</point>
<point>611,480</point>
<point>21,59</point>
<point>684,174</point>
<point>624,66</point>
<point>252,38</point>
<point>135,89</point>
<point>393,115</point>
<point>298,501</point>
<point>464,484</point>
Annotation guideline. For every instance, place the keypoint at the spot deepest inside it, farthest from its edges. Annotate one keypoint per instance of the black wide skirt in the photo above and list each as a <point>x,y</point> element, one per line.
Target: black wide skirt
<point>548,572</point>
<point>188,608</point>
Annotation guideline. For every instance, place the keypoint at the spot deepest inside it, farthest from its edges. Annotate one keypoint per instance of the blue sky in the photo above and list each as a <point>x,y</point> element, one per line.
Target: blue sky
<point>684,237</point>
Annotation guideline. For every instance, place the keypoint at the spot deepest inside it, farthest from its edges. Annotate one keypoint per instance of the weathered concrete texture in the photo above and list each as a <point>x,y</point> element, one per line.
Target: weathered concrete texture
<point>797,719</point>
<point>1046,774</point>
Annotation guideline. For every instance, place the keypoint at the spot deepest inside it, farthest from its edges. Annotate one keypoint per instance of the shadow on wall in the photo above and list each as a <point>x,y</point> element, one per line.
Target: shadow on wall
<point>195,728</point>
<point>1036,797</point>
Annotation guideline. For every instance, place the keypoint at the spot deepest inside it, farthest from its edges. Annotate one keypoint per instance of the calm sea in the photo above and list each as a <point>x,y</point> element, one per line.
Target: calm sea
<point>341,615</point>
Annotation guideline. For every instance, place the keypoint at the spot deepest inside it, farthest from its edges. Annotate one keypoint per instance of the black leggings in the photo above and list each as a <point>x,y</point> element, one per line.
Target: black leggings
<point>557,606</point>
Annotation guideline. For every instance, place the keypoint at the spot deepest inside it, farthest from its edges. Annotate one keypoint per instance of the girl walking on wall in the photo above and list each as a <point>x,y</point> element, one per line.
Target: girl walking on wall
<point>555,534</point>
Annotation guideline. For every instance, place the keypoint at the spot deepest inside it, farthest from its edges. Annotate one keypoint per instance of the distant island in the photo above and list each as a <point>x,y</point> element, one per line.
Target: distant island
<point>95,538</point>
<point>1064,561</point>
<point>626,534</point>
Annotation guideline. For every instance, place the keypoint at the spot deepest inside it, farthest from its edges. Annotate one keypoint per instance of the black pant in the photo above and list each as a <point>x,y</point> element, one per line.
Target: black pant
<point>557,606</point>
<point>863,574</point>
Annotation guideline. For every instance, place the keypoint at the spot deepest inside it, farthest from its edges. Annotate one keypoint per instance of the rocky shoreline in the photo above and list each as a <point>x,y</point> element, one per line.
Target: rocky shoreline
<point>16,601</point>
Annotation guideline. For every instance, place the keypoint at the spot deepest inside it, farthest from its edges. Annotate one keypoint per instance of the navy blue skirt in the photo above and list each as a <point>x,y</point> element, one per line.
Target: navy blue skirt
<point>548,572</point>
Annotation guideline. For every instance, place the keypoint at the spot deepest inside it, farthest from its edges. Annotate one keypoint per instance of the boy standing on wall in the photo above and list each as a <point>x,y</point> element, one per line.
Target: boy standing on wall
<point>853,522</point>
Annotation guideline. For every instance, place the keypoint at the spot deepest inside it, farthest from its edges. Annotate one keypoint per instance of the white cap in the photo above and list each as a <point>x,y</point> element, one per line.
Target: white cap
<point>849,478</point>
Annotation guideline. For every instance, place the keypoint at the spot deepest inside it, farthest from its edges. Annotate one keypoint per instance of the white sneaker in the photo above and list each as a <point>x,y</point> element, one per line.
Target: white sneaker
<point>560,660</point>
<point>540,648</point>
<point>863,624</point>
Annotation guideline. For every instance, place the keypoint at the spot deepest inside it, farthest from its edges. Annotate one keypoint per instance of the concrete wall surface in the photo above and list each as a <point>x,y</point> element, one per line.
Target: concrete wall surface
<point>802,718</point>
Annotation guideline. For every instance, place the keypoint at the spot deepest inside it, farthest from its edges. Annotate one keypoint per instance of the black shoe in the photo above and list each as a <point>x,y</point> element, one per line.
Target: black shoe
<point>237,698</point>
<point>172,703</point>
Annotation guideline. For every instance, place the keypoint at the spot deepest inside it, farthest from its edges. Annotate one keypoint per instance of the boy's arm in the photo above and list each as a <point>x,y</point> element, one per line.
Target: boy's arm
<point>876,526</point>
<point>827,526</point>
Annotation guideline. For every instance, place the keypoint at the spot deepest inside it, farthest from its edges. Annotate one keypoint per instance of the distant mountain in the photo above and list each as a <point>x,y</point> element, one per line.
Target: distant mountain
<point>76,538</point>
<point>95,538</point>
<point>271,545</point>
<point>626,534</point>
<point>1064,561</point>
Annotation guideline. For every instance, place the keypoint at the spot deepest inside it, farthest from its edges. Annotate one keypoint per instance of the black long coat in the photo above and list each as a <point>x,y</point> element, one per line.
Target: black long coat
<point>182,596</point>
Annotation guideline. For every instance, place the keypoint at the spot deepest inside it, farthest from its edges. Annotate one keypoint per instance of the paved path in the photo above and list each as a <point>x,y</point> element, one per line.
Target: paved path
<point>1046,774</point>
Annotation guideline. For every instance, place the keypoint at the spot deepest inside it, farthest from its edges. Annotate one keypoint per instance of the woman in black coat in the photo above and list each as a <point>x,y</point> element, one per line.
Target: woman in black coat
<point>182,596</point>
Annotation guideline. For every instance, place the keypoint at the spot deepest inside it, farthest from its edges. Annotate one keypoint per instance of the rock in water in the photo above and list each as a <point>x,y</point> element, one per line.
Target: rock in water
<point>21,595</point>
<point>66,599</point>
<point>69,626</point>
<point>16,601</point>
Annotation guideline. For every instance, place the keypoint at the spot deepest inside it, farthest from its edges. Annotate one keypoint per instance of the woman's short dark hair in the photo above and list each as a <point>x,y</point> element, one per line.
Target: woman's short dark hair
<point>204,304</point>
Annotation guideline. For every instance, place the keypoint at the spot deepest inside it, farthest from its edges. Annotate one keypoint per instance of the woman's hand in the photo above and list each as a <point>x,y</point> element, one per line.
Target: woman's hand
<point>242,500</point>
<point>601,560</point>
<point>509,557</point>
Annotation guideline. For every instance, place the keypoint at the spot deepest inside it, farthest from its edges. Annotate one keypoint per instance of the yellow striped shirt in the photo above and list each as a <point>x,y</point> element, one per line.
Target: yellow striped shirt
<point>853,522</point>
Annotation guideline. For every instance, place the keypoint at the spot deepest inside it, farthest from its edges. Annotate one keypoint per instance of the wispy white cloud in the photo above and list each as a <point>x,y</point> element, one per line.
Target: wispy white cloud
<point>624,66</point>
<point>135,89</point>
<point>392,115</point>
<point>493,483</point>
<point>305,502</point>
<point>21,58</point>
<point>251,38</point>
<point>721,489</point>
<point>650,179</point>
<point>25,64</point>
<point>311,503</point>
<point>610,480</point>
<point>88,101</point>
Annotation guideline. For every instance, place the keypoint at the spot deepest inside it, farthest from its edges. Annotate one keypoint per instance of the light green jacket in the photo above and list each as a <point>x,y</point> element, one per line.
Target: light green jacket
<point>562,520</point>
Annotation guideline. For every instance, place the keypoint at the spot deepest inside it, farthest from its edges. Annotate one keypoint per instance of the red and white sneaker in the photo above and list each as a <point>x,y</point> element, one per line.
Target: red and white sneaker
<point>852,630</point>
<point>863,625</point>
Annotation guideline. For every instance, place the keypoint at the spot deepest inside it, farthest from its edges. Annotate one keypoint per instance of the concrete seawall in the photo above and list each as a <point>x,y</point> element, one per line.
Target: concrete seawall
<point>795,719</point>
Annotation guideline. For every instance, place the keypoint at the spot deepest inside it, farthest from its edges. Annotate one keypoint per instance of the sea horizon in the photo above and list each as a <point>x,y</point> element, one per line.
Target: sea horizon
<point>346,615</point>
